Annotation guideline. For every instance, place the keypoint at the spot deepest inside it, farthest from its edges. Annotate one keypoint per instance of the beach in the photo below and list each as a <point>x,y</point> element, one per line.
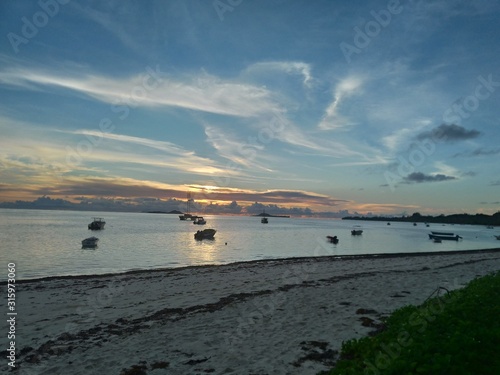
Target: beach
<point>286,316</point>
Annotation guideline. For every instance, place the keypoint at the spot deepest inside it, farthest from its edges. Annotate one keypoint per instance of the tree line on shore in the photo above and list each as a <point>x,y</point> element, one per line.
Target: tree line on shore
<point>477,219</point>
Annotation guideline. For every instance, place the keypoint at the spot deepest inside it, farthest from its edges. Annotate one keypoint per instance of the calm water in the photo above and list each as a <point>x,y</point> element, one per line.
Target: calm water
<point>48,243</point>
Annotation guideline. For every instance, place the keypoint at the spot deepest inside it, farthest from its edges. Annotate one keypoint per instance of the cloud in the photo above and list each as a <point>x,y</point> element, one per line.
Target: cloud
<point>154,88</point>
<point>449,133</point>
<point>478,152</point>
<point>289,67</point>
<point>332,119</point>
<point>419,177</point>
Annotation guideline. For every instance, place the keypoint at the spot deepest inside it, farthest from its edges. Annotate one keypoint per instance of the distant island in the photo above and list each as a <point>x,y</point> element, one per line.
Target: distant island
<point>477,219</point>
<point>174,212</point>
<point>263,214</point>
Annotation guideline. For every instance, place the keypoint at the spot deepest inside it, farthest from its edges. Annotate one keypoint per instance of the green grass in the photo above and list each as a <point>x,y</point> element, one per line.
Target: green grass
<point>458,333</point>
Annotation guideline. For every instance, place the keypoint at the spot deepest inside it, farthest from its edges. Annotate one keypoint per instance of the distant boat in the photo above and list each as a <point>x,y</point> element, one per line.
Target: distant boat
<point>497,237</point>
<point>333,239</point>
<point>443,233</point>
<point>97,224</point>
<point>356,230</point>
<point>388,223</point>
<point>205,234</point>
<point>445,237</point>
<point>264,220</point>
<point>490,227</point>
<point>199,220</point>
<point>187,216</point>
<point>414,224</point>
<point>90,243</point>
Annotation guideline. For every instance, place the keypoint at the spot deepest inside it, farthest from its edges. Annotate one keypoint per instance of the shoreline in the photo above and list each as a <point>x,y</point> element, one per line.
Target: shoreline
<point>283,316</point>
<point>284,260</point>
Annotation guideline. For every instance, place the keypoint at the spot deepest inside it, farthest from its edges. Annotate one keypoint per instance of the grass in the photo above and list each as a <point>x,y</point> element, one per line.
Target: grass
<point>458,333</point>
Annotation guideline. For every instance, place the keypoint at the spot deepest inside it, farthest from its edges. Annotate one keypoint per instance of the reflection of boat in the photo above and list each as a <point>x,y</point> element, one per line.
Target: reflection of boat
<point>205,234</point>
<point>97,224</point>
<point>199,220</point>
<point>90,243</point>
<point>333,239</point>
<point>445,237</point>
<point>264,220</point>
<point>437,240</point>
<point>356,230</point>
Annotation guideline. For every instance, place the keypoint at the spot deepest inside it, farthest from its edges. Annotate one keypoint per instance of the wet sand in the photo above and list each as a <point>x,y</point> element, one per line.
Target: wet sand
<point>287,316</point>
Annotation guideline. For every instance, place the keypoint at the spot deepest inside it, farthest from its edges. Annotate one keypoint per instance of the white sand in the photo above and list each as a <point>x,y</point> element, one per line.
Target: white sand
<point>268,317</point>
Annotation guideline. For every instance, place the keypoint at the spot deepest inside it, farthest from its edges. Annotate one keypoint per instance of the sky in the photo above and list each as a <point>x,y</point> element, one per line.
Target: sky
<point>382,107</point>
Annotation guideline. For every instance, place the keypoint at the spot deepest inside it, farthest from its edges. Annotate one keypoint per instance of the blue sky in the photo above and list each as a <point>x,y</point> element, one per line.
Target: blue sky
<point>368,106</point>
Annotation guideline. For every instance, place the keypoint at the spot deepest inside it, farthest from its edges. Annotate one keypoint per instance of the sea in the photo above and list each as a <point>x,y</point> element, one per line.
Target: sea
<point>45,243</point>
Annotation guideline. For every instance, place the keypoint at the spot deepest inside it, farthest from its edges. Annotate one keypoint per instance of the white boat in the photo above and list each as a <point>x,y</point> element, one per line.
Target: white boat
<point>97,224</point>
<point>205,234</point>
<point>199,220</point>
<point>90,243</point>
<point>448,237</point>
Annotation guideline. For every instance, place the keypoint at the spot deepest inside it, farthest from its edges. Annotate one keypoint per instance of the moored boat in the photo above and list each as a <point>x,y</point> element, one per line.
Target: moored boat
<point>90,243</point>
<point>205,234</point>
<point>97,224</point>
<point>445,237</point>
<point>333,239</point>
<point>199,220</point>
<point>356,230</point>
<point>443,233</point>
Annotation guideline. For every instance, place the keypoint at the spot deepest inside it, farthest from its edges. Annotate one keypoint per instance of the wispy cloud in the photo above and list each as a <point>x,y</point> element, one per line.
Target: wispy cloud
<point>200,92</point>
<point>288,67</point>
<point>332,118</point>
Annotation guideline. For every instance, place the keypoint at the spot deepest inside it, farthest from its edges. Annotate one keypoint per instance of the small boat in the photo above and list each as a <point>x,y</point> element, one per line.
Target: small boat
<point>205,234</point>
<point>333,239</point>
<point>445,237</point>
<point>414,224</point>
<point>90,243</point>
<point>199,220</point>
<point>97,224</point>
<point>356,230</point>
<point>497,237</point>
<point>264,220</point>
<point>443,233</point>
<point>185,217</point>
<point>388,223</point>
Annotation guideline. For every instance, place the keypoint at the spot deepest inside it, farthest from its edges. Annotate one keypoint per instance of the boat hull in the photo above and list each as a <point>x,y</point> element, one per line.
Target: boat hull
<point>446,238</point>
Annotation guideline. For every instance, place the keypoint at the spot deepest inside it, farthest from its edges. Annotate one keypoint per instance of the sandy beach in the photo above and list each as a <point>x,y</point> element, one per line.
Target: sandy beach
<point>286,316</point>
